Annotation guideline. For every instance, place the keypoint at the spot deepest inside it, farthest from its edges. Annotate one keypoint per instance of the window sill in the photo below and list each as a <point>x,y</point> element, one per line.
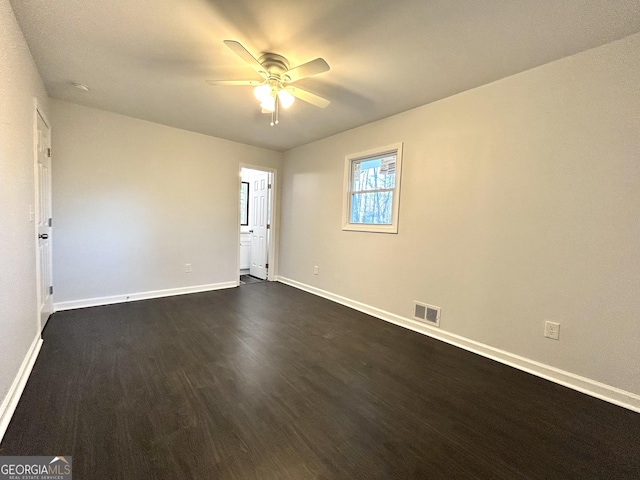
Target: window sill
<point>370,228</point>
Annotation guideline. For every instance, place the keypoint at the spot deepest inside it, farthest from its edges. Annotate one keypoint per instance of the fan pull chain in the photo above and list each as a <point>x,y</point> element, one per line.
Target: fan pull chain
<point>276,113</point>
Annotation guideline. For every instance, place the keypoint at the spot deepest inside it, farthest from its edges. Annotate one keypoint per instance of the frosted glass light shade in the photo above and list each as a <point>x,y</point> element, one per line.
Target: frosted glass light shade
<point>285,98</point>
<point>262,92</point>
<point>269,104</point>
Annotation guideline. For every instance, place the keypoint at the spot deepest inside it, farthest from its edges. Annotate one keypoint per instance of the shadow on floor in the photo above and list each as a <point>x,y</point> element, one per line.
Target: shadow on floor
<point>248,279</point>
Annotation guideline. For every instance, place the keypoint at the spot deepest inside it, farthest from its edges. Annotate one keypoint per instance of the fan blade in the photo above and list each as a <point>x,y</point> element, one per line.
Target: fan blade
<point>244,54</point>
<point>308,97</point>
<point>314,67</point>
<point>252,83</point>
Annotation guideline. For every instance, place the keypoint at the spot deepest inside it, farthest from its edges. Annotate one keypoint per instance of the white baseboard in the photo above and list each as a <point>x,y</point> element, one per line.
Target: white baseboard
<point>10,402</point>
<point>596,389</point>
<point>132,297</point>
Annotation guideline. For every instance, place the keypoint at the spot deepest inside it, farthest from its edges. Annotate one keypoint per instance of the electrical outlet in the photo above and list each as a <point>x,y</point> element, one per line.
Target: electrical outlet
<point>552,330</point>
<point>316,270</point>
<point>187,268</point>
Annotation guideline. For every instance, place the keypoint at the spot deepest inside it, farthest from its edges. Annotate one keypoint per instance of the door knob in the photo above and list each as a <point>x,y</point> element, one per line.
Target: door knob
<point>251,231</point>
<point>43,236</point>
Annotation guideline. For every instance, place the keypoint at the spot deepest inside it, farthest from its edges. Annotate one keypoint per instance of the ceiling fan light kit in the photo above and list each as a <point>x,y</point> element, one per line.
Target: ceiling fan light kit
<point>274,92</point>
<point>272,97</point>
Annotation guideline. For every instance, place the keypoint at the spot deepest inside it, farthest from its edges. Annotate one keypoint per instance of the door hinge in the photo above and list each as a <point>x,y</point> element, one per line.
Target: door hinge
<point>269,186</point>
<point>266,265</point>
<point>51,290</point>
<point>50,222</point>
<point>49,152</point>
<point>268,226</point>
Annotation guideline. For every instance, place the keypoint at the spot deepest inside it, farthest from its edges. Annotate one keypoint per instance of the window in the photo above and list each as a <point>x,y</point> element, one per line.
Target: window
<point>244,204</point>
<point>372,190</point>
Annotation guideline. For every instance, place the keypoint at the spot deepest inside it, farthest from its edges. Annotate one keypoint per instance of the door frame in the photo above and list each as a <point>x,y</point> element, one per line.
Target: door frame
<point>35,211</point>
<point>272,251</point>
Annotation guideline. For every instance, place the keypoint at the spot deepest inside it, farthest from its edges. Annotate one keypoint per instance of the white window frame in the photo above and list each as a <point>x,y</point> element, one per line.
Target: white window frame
<point>348,183</point>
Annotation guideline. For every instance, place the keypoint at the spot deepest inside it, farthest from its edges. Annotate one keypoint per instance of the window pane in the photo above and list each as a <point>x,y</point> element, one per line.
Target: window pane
<point>374,173</point>
<point>244,204</point>
<point>372,208</point>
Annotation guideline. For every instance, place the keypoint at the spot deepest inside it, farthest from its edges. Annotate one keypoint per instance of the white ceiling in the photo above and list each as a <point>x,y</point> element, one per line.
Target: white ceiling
<point>150,58</point>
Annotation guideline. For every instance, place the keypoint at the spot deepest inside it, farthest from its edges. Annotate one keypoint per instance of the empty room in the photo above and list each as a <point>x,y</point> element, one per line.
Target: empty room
<point>320,240</point>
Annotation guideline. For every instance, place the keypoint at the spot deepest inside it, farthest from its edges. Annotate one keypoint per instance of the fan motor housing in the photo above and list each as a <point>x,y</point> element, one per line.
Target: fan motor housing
<point>273,63</point>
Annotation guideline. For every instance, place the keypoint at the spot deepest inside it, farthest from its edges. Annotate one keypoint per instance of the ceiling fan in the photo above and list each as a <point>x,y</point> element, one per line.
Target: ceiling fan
<point>275,89</point>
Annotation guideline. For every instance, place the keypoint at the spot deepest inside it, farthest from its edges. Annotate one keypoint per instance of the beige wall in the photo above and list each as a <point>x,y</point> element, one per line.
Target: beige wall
<point>20,86</point>
<point>520,203</point>
<point>134,201</point>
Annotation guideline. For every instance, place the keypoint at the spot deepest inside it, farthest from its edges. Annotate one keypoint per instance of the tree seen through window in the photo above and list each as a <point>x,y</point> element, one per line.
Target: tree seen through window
<point>373,184</point>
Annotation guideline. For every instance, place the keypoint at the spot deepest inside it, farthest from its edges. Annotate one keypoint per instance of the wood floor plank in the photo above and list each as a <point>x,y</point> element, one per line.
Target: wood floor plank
<point>268,382</point>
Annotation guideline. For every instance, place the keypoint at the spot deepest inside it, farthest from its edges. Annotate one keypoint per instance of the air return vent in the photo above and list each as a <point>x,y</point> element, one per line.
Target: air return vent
<point>426,313</point>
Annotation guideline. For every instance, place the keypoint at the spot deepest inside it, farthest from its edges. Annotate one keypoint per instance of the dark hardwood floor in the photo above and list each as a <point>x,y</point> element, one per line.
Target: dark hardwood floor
<point>269,382</point>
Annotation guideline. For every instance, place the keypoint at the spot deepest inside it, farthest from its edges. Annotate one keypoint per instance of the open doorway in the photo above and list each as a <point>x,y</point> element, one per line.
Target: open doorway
<point>256,239</point>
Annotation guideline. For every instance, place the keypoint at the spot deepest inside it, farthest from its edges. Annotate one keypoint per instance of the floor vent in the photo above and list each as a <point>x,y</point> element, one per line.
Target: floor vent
<point>427,313</point>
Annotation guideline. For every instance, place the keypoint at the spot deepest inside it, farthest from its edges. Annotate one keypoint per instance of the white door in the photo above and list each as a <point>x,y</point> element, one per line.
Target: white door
<point>43,219</point>
<point>259,200</point>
